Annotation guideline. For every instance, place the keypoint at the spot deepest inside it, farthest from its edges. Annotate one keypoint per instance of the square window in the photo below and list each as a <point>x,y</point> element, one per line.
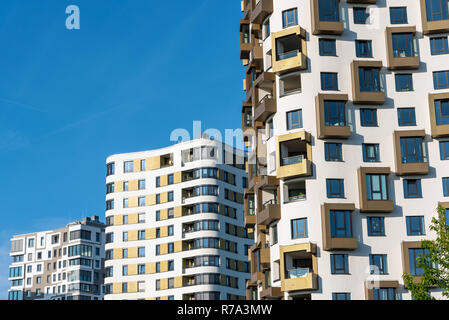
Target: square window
<point>335,188</point>
<point>333,152</point>
<point>368,117</point>
<point>363,48</point>
<point>339,264</point>
<point>371,152</point>
<point>327,47</point>
<point>128,166</point>
<point>329,81</point>
<point>439,45</point>
<point>398,15</point>
<point>376,226</point>
<point>406,117</point>
<point>378,264</point>
<point>328,10</point>
<point>404,82</point>
<point>412,188</point>
<point>415,226</point>
<point>361,15</point>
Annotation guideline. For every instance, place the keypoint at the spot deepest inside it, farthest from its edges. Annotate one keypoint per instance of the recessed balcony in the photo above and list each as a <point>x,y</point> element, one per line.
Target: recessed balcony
<point>411,156</point>
<point>402,48</point>
<point>294,155</point>
<point>298,267</point>
<point>261,9</point>
<point>289,50</point>
<point>265,87</point>
<point>250,210</point>
<point>331,116</point>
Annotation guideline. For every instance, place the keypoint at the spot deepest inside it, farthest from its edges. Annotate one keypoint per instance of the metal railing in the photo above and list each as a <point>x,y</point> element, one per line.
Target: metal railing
<point>292,160</point>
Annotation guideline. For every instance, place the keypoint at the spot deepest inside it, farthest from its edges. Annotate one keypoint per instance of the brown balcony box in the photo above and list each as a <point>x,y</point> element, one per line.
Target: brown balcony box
<point>247,8</point>
<point>265,108</point>
<point>430,27</point>
<point>330,132</point>
<point>372,205</point>
<point>265,257</point>
<point>256,276</point>
<point>365,97</point>
<point>261,9</point>
<point>324,27</point>
<point>265,80</point>
<point>330,243</point>
<point>400,63</point>
<point>378,284</point>
<point>272,212</point>
<point>442,130</point>
<point>296,57</point>
<point>405,245</point>
<point>411,168</point>
<point>245,46</point>
<point>271,293</point>
<point>300,166</point>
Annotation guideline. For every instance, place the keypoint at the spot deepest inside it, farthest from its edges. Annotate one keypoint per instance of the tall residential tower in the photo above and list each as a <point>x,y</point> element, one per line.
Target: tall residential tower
<point>347,112</point>
<point>175,226</point>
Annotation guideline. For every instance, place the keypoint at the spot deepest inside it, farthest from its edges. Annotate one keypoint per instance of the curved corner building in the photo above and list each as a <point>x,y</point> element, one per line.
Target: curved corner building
<point>175,227</point>
<point>347,110</point>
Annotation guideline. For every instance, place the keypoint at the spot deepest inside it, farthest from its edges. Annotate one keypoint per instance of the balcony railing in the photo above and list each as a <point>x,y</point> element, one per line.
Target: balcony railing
<point>287,55</point>
<point>292,160</point>
<point>267,203</point>
<point>298,273</point>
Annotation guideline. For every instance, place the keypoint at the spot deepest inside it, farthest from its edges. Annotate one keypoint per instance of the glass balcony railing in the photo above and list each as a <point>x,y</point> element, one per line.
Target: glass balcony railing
<point>298,273</point>
<point>287,55</point>
<point>292,160</point>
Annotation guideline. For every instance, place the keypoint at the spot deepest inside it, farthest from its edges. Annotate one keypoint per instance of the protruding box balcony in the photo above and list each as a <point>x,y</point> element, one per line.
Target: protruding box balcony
<point>367,82</point>
<point>268,208</point>
<point>250,209</point>
<point>247,116</point>
<point>271,293</point>
<point>265,87</point>
<point>247,6</point>
<point>410,151</point>
<point>326,22</point>
<point>294,155</point>
<point>270,212</point>
<point>298,267</point>
<point>289,50</point>
<point>335,236</point>
<point>331,116</point>
<point>261,9</point>
<point>439,114</point>
<point>245,39</point>
<point>369,293</point>
<point>402,48</point>
<point>373,189</point>
<point>437,23</point>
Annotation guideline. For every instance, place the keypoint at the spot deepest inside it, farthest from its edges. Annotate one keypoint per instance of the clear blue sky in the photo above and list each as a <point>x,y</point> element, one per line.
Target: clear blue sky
<point>135,71</point>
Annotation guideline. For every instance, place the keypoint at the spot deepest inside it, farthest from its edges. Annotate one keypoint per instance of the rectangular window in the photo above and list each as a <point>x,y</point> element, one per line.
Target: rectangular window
<point>369,79</point>
<point>440,80</point>
<point>141,252</point>
<point>363,48</point>
<point>376,187</point>
<point>384,293</point>
<point>334,113</point>
<point>371,152</point>
<point>110,169</point>
<point>406,117</point>
<point>439,45</point>
<point>125,185</point>
<point>436,10</point>
<point>125,203</point>
<point>141,201</point>
<point>340,224</point>
<point>335,188</point>
<point>341,296</point>
<point>446,187</point>
<point>368,117</point>
<point>329,81</point>
<point>142,165</point>
<point>170,196</point>
<point>294,119</point>
<point>412,188</point>
<point>339,264</point>
<point>398,15</point>
<point>327,47</point>
<point>141,184</point>
<point>158,182</point>
<point>376,226</point>
<point>333,152</point>
<point>361,15</point>
<point>403,45</point>
<point>329,10</point>
<point>299,228</point>
<point>289,18</point>
<point>415,226</point>
<point>404,82</point>
<point>378,264</point>
<point>413,255</point>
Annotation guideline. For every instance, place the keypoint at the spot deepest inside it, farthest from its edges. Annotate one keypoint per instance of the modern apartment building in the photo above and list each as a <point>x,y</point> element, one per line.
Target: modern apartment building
<point>347,115</point>
<point>62,264</point>
<point>175,226</point>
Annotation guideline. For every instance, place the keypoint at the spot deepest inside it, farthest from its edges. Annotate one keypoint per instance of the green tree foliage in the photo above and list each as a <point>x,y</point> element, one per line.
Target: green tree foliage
<point>435,262</point>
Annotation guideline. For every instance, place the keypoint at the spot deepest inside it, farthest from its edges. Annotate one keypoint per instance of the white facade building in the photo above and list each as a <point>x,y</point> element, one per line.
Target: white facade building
<point>63,264</point>
<point>175,224</point>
